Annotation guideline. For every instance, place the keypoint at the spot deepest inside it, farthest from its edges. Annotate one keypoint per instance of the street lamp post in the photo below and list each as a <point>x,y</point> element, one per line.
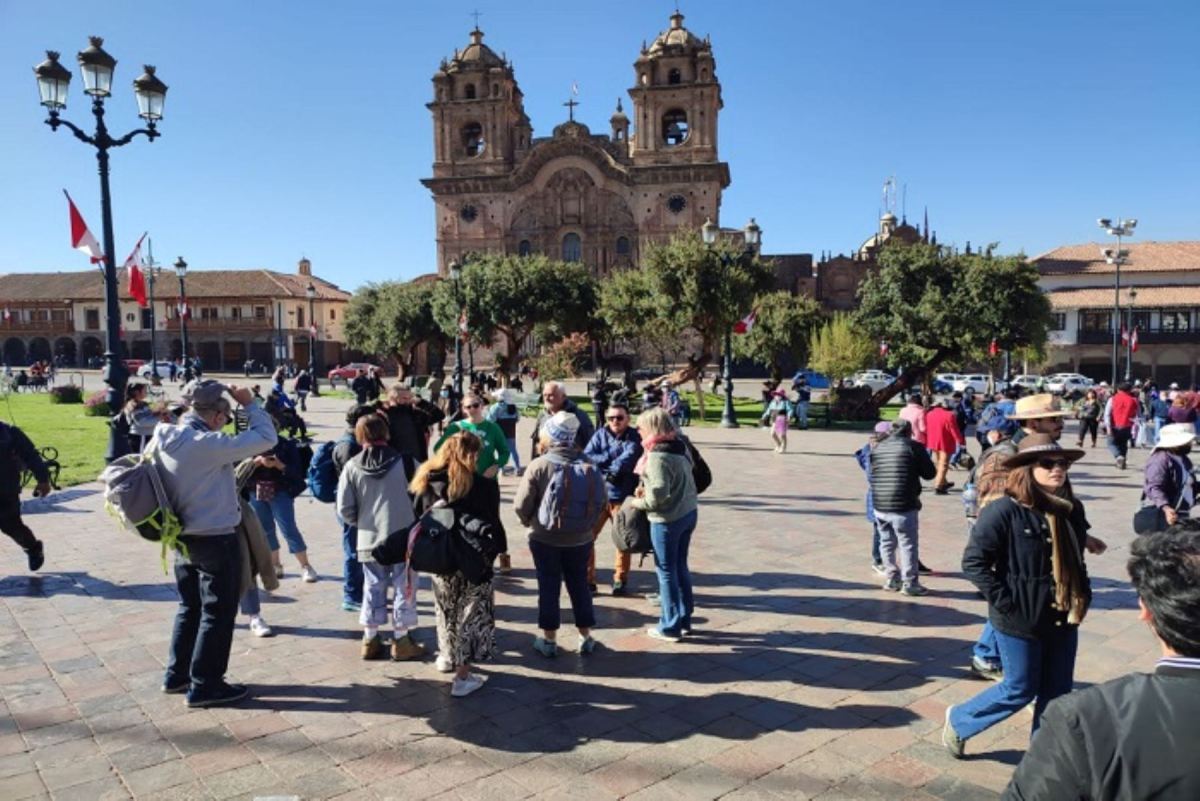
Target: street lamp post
<point>1116,257</point>
<point>753,237</point>
<point>456,391</point>
<point>1129,336</point>
<point>97,68</point>
<point>181,271</point>
<point>311,293</point>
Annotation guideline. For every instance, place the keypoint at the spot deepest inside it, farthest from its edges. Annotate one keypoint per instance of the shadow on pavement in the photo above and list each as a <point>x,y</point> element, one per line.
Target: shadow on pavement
<point>45,585</point>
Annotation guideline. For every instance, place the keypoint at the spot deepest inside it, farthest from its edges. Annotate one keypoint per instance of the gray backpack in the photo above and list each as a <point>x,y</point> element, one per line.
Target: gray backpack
<point>134,494</point>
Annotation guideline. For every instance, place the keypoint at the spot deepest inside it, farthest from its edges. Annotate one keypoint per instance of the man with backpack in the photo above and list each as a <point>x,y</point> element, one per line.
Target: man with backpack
<point>197,461</point>
<point>18,453</point>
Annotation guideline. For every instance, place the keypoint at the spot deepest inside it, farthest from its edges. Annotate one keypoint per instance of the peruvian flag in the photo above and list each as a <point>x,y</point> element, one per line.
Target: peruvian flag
<point>184,311</point>
<point>1133,343</point>
<point>137,282</point>
<point>993,348</point>
<point>7,314</point>
<point>744,325</point>
<point>81,238</point>
<point>883,347</point>
<point>1124,335</point>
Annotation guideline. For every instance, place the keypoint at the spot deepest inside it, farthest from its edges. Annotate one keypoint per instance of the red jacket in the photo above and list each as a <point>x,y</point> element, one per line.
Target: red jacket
<point>1124,410</point>
<point>942,432</point>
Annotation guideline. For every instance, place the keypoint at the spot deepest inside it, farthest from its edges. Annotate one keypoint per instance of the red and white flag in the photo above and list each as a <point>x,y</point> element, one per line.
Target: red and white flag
<point>462,324</point>
<point>883,347</point>
<point>744,325</point>
<point>1124,335</point>
<point>182,308</point>
<point>7,314</point>
<point>993,348</point>
<point>1133,343</point>
<point>81,238</point>
<point>137,282</point>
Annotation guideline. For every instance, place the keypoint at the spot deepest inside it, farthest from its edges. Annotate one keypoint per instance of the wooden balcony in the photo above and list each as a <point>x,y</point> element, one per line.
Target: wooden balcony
<point>1148,336</point>
<point>218,324</point>
<point>37,326</point>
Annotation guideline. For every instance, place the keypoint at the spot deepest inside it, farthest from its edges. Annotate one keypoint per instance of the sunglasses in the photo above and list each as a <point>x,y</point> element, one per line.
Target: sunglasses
<point>1050,464</point>
<point>616,417</point>
<point>472,405</point>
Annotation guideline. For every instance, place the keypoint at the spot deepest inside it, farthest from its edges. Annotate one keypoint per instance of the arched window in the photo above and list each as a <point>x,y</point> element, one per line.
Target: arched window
<point>572,248</point>
<point>469,91</point>
<point>674,76</point>
<point>472,138</point>
<point>675,127</point>
<point>622,246</point>
<point>524,248</point>
<point>495,90</point>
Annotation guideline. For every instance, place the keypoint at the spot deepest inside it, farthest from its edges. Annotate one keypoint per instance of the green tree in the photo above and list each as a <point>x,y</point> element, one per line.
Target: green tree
<point>839,348</point>
<point>507,296</point>
<point>782,327</point>
<point>933,306</point>
<point>394,319</point>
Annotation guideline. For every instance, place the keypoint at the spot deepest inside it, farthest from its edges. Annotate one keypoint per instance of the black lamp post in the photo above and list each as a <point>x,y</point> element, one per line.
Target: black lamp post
<point>181,271</point>
<point>456,392</point>
<point>753,237</point>
<point>97,68</point>
<point>311,293</point>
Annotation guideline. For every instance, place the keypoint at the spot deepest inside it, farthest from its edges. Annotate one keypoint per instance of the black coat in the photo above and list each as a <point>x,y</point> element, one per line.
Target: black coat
<point>1135,738</point>
<point>16,453</point>
<point>897,466</point>
<point>408,428</point>
<point>1008,558</point>
<point>481,537</point>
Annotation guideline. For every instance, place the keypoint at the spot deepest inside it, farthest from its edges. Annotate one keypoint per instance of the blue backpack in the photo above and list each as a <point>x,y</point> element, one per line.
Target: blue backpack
<point>573,498</point>
<point>322,478</point>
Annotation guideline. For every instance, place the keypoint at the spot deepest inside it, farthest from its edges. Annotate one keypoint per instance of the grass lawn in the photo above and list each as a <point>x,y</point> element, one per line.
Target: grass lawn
<point>81,440</point>
<point>747,411</point>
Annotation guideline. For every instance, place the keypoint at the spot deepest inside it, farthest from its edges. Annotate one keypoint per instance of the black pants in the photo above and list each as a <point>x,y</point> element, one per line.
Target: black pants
<point>1087,426</point>
<point>12,524</point>
<point>208,580</point>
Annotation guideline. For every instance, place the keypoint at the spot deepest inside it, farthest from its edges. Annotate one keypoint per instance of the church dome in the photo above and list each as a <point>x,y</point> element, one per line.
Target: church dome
<point>676,38</point>
<point>477,54</point>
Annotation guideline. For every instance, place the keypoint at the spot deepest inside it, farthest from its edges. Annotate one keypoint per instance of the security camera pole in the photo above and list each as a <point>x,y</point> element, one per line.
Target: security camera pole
<point>1122,228</point>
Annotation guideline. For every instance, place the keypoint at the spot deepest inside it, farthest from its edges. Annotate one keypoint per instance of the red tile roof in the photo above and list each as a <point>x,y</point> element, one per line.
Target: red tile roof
<point>1147,297</point>
<point>1143,257</point>
<point>232,284</point>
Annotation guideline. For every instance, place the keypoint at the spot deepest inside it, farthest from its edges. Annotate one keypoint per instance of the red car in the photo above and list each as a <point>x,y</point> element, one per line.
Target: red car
<point>347,371</point>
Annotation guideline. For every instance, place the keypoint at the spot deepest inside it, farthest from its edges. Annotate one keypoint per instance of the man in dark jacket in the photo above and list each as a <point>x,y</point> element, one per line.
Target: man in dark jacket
<point>362,386</point>
<point>409,422</point>
<point>615,450</point>
<point>555,400</point>
<point>1134,737</point>
<point>17,453</point>
<point>897,466</point>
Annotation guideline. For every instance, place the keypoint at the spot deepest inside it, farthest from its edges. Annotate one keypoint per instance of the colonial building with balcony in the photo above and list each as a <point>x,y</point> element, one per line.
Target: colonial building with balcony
<point>1159,295</point>
<point>235,315</point>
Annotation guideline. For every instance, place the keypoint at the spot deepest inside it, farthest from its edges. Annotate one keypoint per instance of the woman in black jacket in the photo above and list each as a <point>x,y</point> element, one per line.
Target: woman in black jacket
<point>466,613</point>
<point>1026,558</point>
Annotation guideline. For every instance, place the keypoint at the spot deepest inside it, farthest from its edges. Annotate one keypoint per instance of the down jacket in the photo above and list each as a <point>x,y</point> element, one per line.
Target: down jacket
<point>897,466</point>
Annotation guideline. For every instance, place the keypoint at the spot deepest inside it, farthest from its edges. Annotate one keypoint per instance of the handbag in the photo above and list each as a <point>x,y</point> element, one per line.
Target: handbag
<point>1149,519</point>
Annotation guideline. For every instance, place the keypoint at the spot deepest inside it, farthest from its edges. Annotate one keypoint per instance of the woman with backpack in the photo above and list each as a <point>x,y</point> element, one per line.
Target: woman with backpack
<point>272,488</point>
<point>668,496</point>
<point>466,611</point>
<point>373,496</point>
<point>560,499</point>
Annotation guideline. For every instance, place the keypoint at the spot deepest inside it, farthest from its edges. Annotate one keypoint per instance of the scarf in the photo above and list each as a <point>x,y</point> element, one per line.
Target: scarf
<point>1070,586</point>
<point>647,445</point>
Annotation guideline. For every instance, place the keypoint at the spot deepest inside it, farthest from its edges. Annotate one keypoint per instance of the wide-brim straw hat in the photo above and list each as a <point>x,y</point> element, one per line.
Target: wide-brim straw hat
<point>1034,407</point>
<point>1038,446</point>
<point>1176,435</point>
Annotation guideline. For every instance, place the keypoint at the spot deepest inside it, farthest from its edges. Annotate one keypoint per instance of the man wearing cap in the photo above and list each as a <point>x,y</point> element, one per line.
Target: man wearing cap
<point>197,461</point>
<point>1119,413</point>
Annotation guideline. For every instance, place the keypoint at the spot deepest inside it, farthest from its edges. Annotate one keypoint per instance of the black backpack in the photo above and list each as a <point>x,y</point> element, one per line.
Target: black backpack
<point>701,473</point>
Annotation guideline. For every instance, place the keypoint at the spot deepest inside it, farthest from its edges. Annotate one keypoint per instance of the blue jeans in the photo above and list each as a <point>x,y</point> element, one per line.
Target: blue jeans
<point>279,510</point>
<point>352,572</point>
<point>556,566</point>
<point>512,452</point>
<point>207,580</point>
<point>986,648</point>
<point>898,542</point>
<point>671,542</point>
<point>876,558</point>
<point>1034,670</point>
<point>250,603</point>
<point>801,413</point>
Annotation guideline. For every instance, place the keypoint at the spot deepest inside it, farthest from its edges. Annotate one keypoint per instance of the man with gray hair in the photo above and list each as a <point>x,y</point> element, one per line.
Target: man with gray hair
<point>555,400</point>
<point>897,466</point>
<point>197,461</point>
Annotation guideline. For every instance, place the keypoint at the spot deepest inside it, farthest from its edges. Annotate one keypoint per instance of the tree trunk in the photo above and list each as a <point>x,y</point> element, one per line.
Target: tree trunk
<point>695,366</point>
<point>904,382</point>
<point>699,395</point>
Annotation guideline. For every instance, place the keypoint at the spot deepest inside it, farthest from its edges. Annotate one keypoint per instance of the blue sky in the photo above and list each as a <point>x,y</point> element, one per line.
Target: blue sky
<point>299,128</point>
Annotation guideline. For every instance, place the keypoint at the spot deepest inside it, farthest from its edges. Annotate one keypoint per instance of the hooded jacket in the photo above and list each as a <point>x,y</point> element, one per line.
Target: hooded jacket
<point>373,495</point>
<point>197,468</point>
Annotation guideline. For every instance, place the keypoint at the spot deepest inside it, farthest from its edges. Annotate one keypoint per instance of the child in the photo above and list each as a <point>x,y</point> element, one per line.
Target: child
<point>778,411</point>
<point>863,455</point>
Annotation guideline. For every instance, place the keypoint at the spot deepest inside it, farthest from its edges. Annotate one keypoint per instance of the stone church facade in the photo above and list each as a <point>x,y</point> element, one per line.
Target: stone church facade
<point>600,199</point>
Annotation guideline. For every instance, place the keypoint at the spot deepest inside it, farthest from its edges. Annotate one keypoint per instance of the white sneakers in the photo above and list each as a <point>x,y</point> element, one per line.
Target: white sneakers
<point>308,574</point>
<point>470,684</point>
<point>443,664</point>
<point>259,627</point>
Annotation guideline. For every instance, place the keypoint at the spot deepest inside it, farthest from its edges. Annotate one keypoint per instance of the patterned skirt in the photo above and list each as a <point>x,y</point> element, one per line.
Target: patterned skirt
<point>466,619</point>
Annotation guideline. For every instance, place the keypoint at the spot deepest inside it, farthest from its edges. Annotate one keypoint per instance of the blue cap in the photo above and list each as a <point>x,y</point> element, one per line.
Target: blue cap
<point>999,423</point>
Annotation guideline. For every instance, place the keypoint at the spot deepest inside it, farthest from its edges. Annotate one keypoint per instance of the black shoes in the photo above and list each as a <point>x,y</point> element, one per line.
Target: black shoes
<point>37,556</point>
<point>223,695</point>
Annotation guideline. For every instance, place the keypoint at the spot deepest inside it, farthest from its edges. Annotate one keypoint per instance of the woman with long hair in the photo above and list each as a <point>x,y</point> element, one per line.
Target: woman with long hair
<point>1026,558</point>
<point>466,612</point>
<point>1089,417</point>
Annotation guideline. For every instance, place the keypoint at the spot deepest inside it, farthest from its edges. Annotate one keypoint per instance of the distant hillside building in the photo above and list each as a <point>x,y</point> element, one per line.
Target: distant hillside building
<point>235,315</point>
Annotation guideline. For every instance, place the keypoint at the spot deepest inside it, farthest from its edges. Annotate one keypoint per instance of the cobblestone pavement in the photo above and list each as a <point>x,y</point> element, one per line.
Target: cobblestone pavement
<point>804,679</point>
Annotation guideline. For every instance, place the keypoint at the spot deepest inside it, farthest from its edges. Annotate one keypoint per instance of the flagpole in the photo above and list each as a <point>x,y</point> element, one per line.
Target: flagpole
<point>154,379</point>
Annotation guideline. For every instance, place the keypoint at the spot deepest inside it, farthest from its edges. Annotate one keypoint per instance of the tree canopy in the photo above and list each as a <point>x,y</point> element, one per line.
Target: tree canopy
<point>839,348</point>
<point>393,319</point>
<point>782,327</point>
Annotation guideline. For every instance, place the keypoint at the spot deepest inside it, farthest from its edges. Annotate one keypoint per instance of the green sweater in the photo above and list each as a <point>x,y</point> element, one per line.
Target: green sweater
<point>669,490</point>
<point>495,444</point>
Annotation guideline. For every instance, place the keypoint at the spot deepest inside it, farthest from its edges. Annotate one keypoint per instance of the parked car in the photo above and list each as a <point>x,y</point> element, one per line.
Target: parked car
<point>815,380</point>
<point>875,379</point>
<point>978,382</point>
<point>163,370</point>
<point>1029,383</point>
<point>941,386</point>
<point>948,378</point>
<point>1068,384</point>
<point>347,371</point>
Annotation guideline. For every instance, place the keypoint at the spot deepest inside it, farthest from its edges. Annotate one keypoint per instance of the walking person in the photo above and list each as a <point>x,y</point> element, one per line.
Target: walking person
<point>18,453</point>
<point>560,499</point>
<point>302,386</point>
<point>465,610</point>
<point>1026,558</point>
<point>1089,417</point>
<point>373,496</point>
<point>965,416</point>
<point>914,413</point>
<point>505,414</point>
<point>615,449</point>
<point>668,496</point>
<point>898,464</point>
<point>196,465</point>
<point>1119,414</point>
<point>943,439</point>
<point>271,491</point>
<point>778,411</point>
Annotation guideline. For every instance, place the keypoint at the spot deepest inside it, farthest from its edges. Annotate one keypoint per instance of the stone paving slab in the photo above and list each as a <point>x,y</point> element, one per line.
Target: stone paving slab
<point>804,679</point>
